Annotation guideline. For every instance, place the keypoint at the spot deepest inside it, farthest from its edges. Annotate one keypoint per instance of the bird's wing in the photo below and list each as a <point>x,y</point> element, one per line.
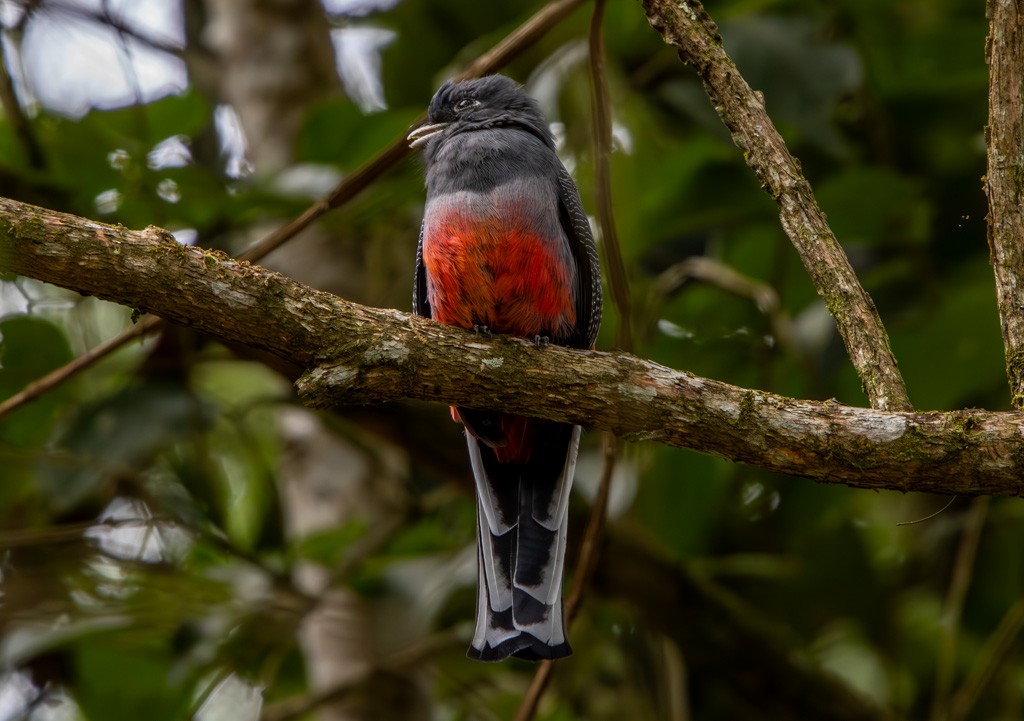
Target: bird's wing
<point>420,304</point>
<point>584,251</point>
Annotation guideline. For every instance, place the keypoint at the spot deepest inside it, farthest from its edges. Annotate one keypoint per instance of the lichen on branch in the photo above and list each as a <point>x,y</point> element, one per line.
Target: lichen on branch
<point>354,354</point>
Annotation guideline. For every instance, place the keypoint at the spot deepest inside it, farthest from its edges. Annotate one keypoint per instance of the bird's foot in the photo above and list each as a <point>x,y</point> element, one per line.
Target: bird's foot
<point>540,341</point>
<point>483,330</point>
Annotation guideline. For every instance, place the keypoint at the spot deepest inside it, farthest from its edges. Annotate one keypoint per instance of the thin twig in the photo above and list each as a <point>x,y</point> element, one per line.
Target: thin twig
<point>725,638</point>
<point>688,27</point>
<point>108,18</point>
<point>930,516</point>
<point>541,678</point>
<point>617,279</point>
<point>54,378</point>
<point>208,690</point>
<point>521,38</point>
<point>398,149</point>
<point>595,525</point>
<point>342,193</point>
<point>677,699</point>
<point>51,534</point>
<point>763,296</point>
<point>996,648</point>
<point>508,48</point>
<point>958,585</point>
<point>408,658</point>
<point>584,571</point>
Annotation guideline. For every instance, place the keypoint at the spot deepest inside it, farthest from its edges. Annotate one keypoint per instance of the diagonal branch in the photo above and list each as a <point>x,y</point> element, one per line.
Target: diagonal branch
<point>687,26</point>
<point>361,355</point>
<point>1004,182</point>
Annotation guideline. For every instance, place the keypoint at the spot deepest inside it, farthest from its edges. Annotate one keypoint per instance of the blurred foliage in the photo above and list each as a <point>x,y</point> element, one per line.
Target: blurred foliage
<point>144,553</point>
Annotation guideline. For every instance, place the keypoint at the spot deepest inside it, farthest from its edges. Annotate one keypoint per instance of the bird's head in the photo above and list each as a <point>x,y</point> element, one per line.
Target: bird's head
<point>494,101</point>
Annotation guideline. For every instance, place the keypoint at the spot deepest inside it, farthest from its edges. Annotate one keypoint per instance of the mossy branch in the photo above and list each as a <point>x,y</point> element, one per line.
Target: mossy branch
<point>359,355</point>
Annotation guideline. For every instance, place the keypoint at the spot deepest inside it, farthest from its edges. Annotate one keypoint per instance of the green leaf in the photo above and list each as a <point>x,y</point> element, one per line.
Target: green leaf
<point>119,436</point>
<point>328,547</point>
<point>30,347</point>
<point>339,132</point>
<point>875,205</point>
<point>681,498</point>
<point>802,76</point>
<point>128,676</point>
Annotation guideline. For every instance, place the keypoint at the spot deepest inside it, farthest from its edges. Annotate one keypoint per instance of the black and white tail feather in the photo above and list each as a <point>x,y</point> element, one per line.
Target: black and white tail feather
<point>522,515</point>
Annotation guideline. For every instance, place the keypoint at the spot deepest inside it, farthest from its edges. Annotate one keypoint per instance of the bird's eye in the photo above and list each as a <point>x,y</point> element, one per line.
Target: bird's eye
<point>466,104</point>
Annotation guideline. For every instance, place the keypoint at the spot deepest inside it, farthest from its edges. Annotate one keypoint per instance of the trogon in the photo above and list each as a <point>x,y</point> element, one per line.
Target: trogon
<point>505,247</point>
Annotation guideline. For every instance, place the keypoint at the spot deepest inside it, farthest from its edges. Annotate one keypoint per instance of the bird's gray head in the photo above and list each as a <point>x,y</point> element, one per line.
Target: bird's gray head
<point>494,101</point>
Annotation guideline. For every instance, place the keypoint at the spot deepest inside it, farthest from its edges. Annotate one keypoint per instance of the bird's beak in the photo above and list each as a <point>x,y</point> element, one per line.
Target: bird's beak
<point>419,137</point>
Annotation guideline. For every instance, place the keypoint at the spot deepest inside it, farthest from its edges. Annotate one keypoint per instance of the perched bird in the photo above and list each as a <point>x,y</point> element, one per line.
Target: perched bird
<point>505,247</point>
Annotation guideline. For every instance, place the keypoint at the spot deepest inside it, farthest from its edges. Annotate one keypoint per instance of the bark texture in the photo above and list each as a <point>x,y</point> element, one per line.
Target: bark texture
<point>361,355</point>
<point>687,26</point>
<point>1004,181</point>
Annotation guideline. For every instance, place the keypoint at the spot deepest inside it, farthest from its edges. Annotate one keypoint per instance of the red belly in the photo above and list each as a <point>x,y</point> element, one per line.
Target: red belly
<point>498,273</point>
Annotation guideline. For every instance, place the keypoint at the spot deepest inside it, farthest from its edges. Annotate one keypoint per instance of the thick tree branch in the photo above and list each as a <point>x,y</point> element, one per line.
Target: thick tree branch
<point>360,355</point>
<point>1004,181</point>
<point>687,26</point>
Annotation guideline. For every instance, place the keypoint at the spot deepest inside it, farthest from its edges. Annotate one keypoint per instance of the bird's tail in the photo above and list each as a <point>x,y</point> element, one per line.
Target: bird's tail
<point>522,514</point>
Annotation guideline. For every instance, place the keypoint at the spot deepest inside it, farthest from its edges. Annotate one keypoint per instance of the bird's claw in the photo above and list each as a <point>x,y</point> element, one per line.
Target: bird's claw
<point>540,341</point>
<point>483,330</point>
